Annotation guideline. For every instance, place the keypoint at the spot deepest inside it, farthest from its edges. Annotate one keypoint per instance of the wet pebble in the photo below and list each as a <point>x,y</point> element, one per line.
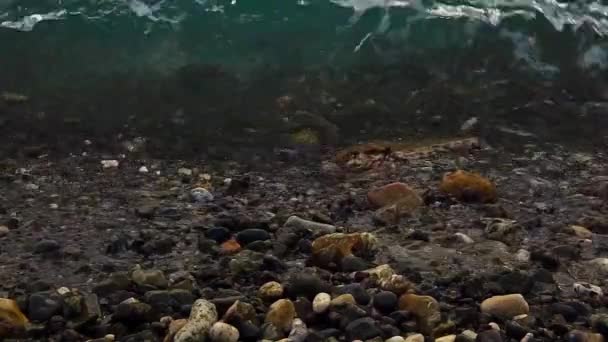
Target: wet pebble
<point>363,329</point>
<point>357,291</point>
<point>248,236</point>
<point>271,291</point>
<point>385,301</point>
<point>46,246</point>
<point>321,302</point>
<point>507,306</point>
<point>281,314</point>
<point>222,332</point>
<point>202,316</point>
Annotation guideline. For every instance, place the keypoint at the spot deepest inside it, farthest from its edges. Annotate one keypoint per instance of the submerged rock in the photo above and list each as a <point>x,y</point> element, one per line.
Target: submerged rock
<point>468,187</point>
<point>392,193</point>
<point>202,317</point>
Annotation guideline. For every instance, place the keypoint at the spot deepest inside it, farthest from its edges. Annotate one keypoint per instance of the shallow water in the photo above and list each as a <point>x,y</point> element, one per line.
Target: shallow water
<point>372,68</point>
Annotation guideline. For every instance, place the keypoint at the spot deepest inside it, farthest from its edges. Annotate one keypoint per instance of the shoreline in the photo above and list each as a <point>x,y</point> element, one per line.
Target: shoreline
<point>73,225</point>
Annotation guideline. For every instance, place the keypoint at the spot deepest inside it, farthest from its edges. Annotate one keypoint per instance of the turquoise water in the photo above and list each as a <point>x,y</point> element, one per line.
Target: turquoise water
<point>126,63</point>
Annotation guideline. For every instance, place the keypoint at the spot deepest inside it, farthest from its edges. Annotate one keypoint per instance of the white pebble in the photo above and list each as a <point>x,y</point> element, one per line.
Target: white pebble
<point>201,195</point>
<point>31,186</point>
<point>586,289</point>
<point>494,326</point>
<point>107,164</point>
<point>63,290</point>
<point>182,171</point>
<point>53,206</point>
<point>143,169</point>
<point>321,302</point>
<point>415,338</point>
<point>4,230</point>
<point>109,338</point>
<point>522,255</point>
<point>464,238</point>
<point>223,332</point>
<point>395,339</point>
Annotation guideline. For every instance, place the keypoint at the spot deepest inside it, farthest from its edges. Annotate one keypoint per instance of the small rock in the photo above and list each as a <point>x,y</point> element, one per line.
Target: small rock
<point>146,211</point>
<point>149,278</point>
<point>109,164</point>
<point>246,262</point>
<point>448,338</point>
<point>463,238</point>
<point>306,284</point>
<point>425,308</point>
<point>315,227</point>
<point>392,193</point>
<point>357,291</point>
<point>299,331</point>
<point>239,311</point>
<point>4,231</point>
<point>230,247</point>
<point>342,300</point>
<point>504,230</point>
<point>468,187</point>
<point>201,195</point>
<point>248,236</point>
<point>395,339</point>
<point>116,282</point>
<point>522,255</point>
<point>351,263</point>
<point>11,317</point>
<point>581,232</point>
<point>467,336</point>
<point>586,289</point>
<point>363,329</point>
<point>174,327</point>
<point>182,171</point>
<point>143,169</point>
<point>415,338</point>
<point>600,323</point>
<point>271,291</point>
<point>507,306</point>
<point>46,246</point>
<point>334,247</point>
<point>222,332</point>
<point>42,306</point>
<point>489,336</point>
<point>321,302</point>
<point>583,336</point>
<point>202,317</point>
<point>218,234</point>
<point>385,302</point>
<point>132,310</point>
<point>281,314</point>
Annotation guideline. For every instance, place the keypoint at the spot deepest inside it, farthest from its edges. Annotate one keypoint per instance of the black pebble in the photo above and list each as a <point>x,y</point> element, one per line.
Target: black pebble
<point>361,296</point>
<point>385,301</point>
<point>46,246</point>
<point>42,307</point>
<point>567,311</point>
<point>362,329</point>
<point>353,263</point>
<point>218,234</point>
<point>248,236</point>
